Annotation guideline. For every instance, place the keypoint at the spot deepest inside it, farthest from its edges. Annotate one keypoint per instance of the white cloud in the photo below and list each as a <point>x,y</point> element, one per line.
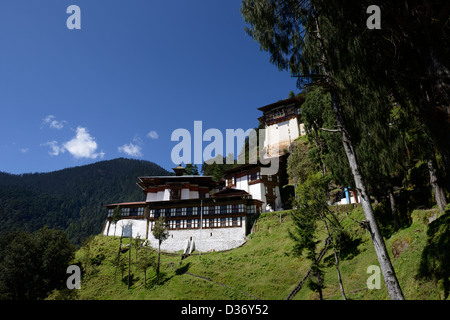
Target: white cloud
<point>52,123</point>
<point>24,150</point>
<point>131,149</point>
<point>153,135</point>
<point>55,148</point>
<point>83,145</point>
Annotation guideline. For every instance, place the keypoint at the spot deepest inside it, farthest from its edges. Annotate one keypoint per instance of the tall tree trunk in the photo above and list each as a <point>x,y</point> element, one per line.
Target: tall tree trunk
<point>438,191</point>
<point>387,269</point>
<point>393,208</point>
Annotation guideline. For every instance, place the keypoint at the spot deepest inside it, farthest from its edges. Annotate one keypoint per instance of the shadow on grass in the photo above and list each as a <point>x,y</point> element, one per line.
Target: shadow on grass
<point>163,278</point>
<point>435,260</point>
<point>183,269</point>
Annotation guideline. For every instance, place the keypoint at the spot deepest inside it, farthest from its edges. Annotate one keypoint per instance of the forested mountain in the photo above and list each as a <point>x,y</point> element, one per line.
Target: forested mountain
<point>71,199</point>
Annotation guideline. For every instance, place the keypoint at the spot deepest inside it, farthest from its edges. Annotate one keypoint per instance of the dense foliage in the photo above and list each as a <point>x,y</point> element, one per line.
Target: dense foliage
<point>33,264</point>
<point>72,199</point>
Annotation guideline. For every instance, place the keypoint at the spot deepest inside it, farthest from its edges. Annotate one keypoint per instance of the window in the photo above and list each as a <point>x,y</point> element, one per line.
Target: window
<point>278,113</point>
<point>189,223</point>
<point>254,176</point>
<point>110,212</point>
<point>189,211</point>
<point>223,209</point>
<point>234,208</point>
<point>183,211</point>
<point>175,194</point>
<point>177,212</point>
<point>212,209</point>
<point>177,224</point>
<point>222,222</point>
<point>137,211</point>
<point>125,212</point>
<point>290,111</point>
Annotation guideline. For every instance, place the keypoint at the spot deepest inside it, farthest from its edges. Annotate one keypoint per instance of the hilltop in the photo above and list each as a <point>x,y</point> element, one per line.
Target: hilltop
<point>264,267</point>
<point>71,199</point>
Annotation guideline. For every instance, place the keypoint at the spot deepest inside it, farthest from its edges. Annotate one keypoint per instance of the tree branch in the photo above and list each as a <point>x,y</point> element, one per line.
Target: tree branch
<point>330,130</point>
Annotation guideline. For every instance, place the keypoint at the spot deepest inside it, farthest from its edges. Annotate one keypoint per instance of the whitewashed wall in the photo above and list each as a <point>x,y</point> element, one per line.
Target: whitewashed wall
<point>139,226</point>
<point>279,133</point>
<point>212,239</point>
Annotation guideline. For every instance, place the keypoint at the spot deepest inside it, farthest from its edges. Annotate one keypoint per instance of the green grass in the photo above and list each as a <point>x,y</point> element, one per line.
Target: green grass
<point>265,268</point>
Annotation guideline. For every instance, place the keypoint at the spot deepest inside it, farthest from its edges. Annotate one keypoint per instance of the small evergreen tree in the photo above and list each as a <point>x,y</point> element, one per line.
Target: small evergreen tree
<point>160,233</point>
<point>191,170</point>
<point>144,262</point>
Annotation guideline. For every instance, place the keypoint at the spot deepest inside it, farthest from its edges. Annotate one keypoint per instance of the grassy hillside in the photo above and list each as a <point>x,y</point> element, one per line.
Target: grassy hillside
<point>264,267</point>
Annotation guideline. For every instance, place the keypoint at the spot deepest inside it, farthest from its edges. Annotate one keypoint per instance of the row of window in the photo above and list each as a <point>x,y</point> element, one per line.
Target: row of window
<point>186,211</point>
<point>194,211</point>
<point>128,212</point>
<point>279,113</point>
<point>207,223</point>
<point>252,177</point>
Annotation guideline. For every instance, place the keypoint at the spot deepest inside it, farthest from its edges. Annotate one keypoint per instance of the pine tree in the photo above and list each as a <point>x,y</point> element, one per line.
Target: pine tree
<point>293,32</point>
<point>160,233</point>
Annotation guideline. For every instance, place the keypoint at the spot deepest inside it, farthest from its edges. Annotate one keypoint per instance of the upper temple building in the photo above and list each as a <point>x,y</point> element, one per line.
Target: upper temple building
<point>282,121</point>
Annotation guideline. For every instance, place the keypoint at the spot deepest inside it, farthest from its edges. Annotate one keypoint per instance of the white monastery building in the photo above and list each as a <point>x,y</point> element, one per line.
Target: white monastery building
<point>198,215</point>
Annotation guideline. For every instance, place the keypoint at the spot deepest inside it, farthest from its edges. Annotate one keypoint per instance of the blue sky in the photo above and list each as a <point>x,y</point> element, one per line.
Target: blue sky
<point>135,72</point>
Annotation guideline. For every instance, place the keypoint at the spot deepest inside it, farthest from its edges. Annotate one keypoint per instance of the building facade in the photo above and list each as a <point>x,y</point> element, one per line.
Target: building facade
<point>265,188</point>
<point>198,215</point>
<point>282,121</point>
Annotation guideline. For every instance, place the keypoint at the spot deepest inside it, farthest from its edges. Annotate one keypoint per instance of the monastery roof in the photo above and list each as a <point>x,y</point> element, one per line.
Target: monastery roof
<point>244,167</point>
<point>139,203</point>
<point>268,107</point>
<point>151,181</point>
<point>228,192</point>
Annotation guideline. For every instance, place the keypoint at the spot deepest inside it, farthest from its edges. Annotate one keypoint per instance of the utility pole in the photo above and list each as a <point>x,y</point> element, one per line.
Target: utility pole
<point>129,260</point>
<point>201,228</point>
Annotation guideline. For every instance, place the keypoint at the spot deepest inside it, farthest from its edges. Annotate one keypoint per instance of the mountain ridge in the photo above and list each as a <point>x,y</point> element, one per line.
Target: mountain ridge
<point>70,199</point>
